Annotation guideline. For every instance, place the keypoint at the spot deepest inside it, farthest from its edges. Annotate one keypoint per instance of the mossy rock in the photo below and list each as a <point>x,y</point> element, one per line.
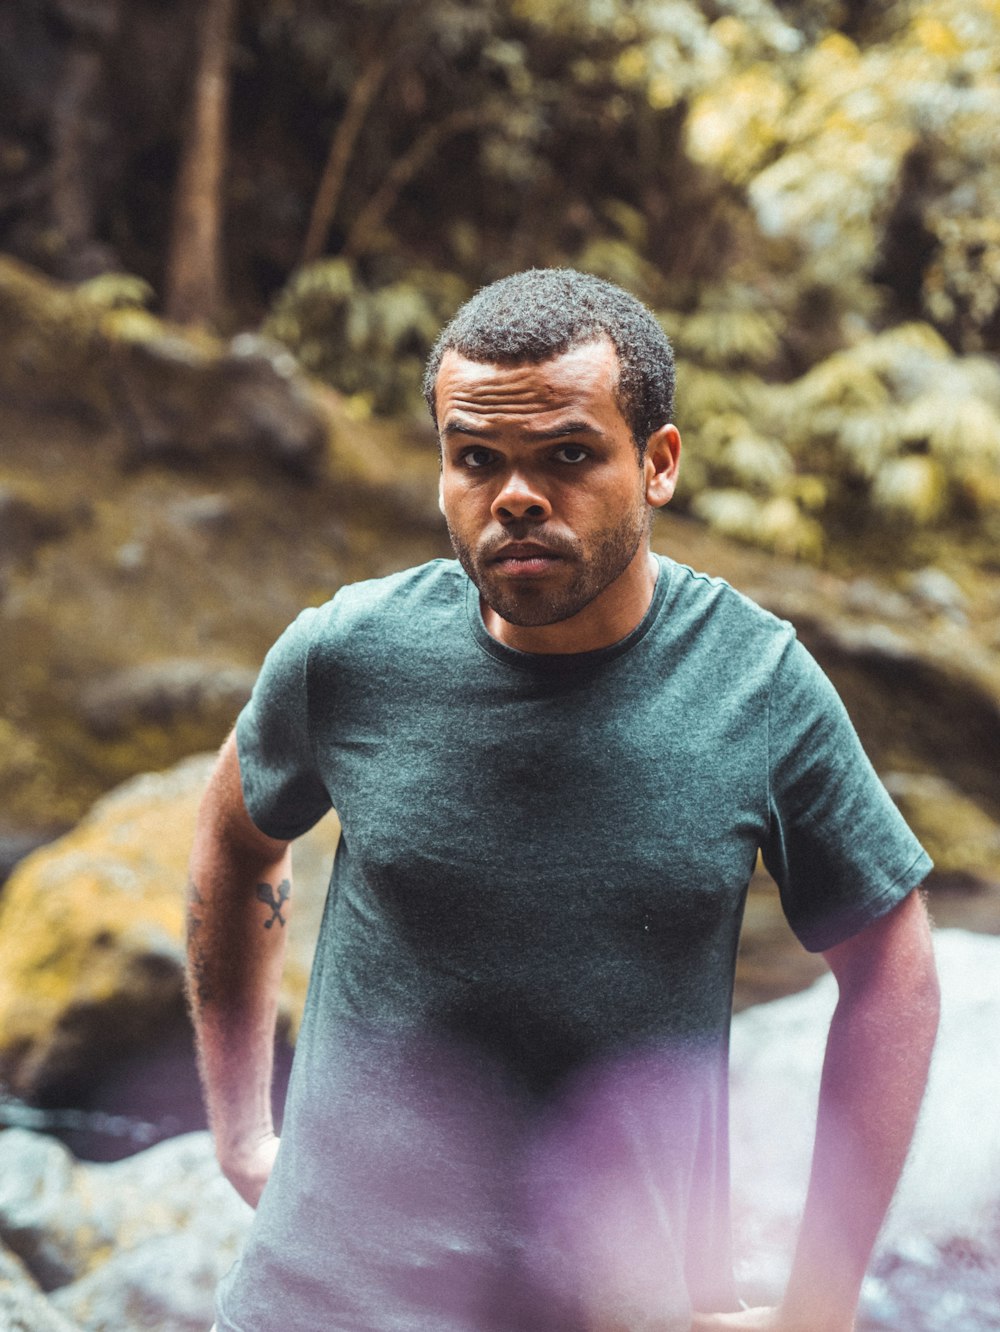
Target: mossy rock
<point>91,936</point>
<point>141,1242</point>
<point>177,395</point>
<point>961,838</point>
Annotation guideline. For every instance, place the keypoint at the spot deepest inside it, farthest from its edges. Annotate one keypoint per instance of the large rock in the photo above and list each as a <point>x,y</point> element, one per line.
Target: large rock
<point>160,693</point>
<point>23,1307</point>
<point>27,520</point>
<point>179,396</point>
<point>91,936</point>
<point>184,403</point>
<point>937,1267</point>
<point>140,1244</point>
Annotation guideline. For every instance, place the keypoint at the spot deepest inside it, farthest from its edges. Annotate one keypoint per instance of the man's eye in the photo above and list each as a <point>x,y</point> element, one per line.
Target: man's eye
<point>477,458</point>
<point>571,453</point>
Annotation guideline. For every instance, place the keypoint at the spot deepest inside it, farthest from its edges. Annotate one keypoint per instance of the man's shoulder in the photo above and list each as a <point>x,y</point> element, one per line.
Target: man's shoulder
<point>382,608</point>
<point>713,604</point>
<point>438,581</point>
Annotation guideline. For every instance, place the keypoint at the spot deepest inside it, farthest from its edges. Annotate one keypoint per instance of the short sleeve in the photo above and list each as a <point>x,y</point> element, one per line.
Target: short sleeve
<point>839,849</point>
<point>282,788</point>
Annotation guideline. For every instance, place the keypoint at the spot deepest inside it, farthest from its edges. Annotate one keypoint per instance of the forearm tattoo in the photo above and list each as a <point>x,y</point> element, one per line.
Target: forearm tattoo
<point>200,969</point>
<point>199,987</point>
<point>265,894</point>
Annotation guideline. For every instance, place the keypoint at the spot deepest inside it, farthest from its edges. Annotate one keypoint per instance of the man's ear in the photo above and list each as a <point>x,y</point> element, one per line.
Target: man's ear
<point>441,491</point>
<point>661,465</point>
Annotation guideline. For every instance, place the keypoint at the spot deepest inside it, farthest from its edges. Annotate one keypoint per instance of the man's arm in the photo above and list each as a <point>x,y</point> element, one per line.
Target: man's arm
<point>877,1057</point>
<point>236,911</point>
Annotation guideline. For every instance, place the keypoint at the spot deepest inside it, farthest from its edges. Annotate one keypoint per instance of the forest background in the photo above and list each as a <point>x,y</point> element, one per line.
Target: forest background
<point>229,232</point>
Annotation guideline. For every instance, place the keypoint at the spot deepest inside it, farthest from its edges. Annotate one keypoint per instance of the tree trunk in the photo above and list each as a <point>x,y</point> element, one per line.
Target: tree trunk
<point>372,217</point>
<point>194,284</point>
<point>345,136</point>
<point>78,127</point>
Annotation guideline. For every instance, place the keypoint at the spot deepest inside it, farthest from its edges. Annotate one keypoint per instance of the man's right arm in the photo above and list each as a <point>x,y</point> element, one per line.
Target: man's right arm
<point>237,907</point>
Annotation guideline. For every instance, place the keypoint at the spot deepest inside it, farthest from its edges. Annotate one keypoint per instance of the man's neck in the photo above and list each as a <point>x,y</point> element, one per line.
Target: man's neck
<point>609,618</point>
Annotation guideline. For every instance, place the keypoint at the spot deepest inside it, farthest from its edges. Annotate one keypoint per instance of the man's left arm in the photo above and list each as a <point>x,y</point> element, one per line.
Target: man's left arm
<point>877,1057</point>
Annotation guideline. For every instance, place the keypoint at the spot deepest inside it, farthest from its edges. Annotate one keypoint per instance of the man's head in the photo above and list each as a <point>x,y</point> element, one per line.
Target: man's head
<point>534,316</point>
<point>547,496</point>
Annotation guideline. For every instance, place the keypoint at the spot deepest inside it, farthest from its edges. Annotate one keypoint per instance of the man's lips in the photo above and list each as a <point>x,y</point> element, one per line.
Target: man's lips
<point>525,557</point>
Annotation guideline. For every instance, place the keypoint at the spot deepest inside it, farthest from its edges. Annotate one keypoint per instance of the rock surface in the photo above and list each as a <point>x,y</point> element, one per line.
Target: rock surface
<point>179,397</point>
<point>139,1246</point>
<point>164,693</point>
<point>937,1266</point>
<point>91,952</point>
<point>23,1307</point>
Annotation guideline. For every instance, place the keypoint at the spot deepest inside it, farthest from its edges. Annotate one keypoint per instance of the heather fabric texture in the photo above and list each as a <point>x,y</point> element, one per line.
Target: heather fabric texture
<point>508,1108</point>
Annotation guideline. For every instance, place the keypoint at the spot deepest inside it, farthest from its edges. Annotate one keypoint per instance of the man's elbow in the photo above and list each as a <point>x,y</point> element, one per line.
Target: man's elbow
<point>889,970</point>
<point>223,821</point>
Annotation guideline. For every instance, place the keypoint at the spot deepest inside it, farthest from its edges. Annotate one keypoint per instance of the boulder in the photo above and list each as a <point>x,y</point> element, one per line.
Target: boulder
<point>91,936</point>
<point>180,396</point>
<point>23,1307</point>
<point>15,844</point>
<point>940,1247</point>
<point>956,831</point>
<point>139,1244</point>
<point>41,1218</point>
<point>183,403</point>
<point>160,693</point>
<point>27,521</point>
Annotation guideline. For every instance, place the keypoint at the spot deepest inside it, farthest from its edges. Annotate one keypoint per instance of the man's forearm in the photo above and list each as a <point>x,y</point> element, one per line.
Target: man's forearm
<point>234,974</point>
<point>877,1058</point>
<point>237,910</point>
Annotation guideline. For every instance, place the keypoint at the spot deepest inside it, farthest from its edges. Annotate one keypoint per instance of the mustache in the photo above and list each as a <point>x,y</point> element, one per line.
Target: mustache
<point>551,542</point>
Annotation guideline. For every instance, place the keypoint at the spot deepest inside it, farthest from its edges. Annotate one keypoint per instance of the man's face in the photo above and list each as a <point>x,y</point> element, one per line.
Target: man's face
<point>546,500</point>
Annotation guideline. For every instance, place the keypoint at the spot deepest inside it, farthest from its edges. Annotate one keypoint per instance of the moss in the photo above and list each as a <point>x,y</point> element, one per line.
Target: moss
<point>91,932</point>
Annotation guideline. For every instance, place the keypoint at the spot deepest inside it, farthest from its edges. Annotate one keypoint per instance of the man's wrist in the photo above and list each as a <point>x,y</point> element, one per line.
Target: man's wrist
<point>805,1315</point>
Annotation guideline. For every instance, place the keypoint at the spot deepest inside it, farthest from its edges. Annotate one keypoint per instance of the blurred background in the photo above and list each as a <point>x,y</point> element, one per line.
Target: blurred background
<point>229,232</point>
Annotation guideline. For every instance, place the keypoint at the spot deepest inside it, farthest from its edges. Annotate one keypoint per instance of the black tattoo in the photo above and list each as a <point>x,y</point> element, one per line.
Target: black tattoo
<point>265,893</point>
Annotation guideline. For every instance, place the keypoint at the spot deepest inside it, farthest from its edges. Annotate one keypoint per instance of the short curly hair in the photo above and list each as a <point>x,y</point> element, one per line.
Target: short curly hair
<point>543,312</point>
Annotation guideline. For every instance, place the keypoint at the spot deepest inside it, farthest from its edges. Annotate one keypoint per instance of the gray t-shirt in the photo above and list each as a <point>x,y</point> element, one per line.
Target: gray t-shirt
<point>508,1108</point>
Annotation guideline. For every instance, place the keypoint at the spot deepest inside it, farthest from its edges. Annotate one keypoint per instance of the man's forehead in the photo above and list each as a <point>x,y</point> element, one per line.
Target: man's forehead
<point>585,370</point>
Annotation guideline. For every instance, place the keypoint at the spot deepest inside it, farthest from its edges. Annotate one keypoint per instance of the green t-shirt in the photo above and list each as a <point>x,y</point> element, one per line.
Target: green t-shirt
<point>508,1107</point>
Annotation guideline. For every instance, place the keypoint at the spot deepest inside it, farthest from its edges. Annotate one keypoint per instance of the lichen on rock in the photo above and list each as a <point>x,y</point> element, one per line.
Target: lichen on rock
<point>91,936</point>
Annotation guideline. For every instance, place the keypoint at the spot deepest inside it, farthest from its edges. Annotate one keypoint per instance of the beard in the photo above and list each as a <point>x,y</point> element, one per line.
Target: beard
<point>580,576</point>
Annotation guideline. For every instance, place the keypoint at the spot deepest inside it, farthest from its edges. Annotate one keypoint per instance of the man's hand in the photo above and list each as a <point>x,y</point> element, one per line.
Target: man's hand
<point>248,1170</point>
<point>758,1320</point>
<point>751,1320</point>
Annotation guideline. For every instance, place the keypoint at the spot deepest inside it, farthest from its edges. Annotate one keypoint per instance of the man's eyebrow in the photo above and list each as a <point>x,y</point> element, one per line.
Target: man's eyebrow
<point>563,431</point>
<point>459,428</point>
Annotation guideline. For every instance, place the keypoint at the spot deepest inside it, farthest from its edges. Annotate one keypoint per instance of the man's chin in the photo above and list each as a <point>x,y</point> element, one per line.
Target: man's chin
<point>530,607</point>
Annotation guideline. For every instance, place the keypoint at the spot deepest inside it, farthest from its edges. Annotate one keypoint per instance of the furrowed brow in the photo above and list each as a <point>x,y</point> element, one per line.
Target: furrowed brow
<point>564,431</point>
<point>459,428</point>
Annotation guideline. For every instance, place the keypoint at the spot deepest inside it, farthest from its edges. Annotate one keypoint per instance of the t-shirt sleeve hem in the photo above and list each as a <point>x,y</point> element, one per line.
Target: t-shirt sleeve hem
<point>280,832</point>
<point>851,921</point>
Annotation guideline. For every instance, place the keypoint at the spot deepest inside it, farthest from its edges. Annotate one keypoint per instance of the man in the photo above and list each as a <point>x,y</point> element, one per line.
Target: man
<point>554,762</point>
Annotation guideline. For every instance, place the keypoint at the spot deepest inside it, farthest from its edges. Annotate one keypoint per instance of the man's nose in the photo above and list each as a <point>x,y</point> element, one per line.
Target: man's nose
<point>519,497</point>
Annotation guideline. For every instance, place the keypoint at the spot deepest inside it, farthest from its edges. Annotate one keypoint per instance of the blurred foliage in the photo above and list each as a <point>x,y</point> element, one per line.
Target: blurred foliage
<point>371,343</point>
<point>807,193</point>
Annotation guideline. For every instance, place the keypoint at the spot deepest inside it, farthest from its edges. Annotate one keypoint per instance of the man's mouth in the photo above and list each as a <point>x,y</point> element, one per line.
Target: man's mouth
<point>525,559</point>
